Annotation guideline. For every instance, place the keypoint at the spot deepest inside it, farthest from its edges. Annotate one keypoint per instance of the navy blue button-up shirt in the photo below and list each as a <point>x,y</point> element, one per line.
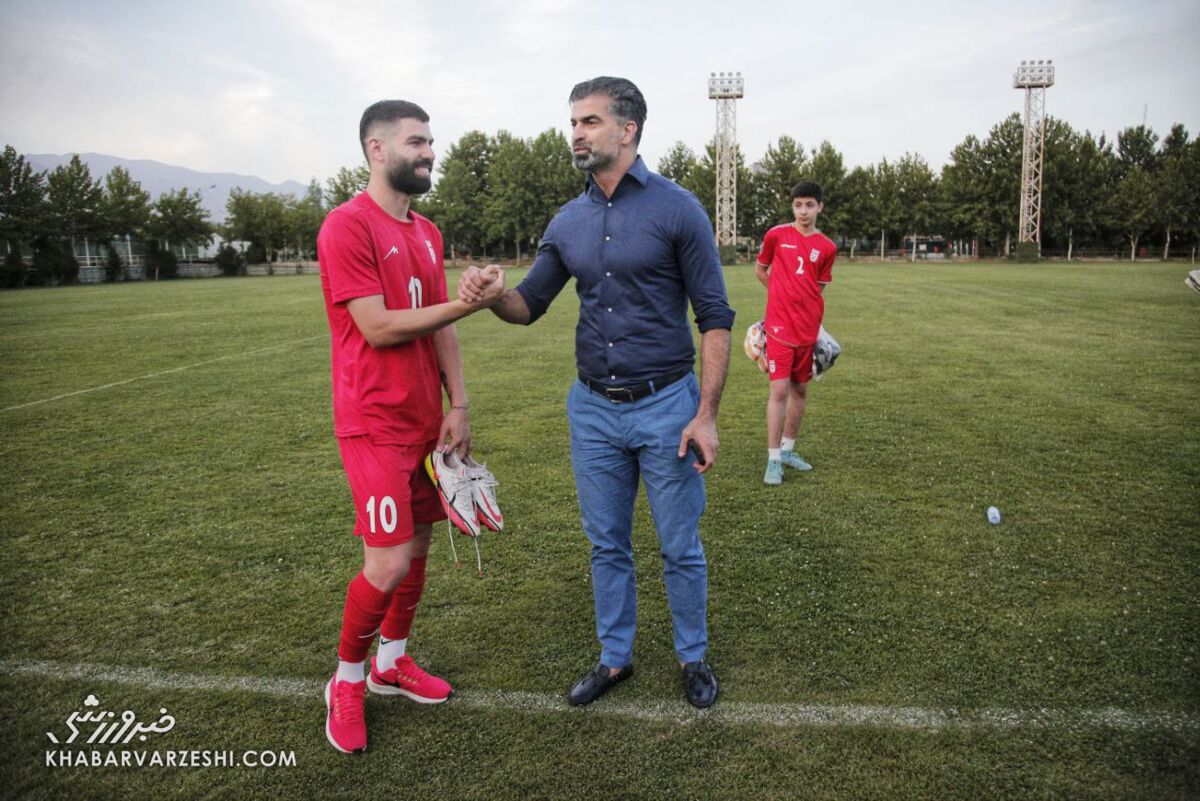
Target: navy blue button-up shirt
<point>637,258</point>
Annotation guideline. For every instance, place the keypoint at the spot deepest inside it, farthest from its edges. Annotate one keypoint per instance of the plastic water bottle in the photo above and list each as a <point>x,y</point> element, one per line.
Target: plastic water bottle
<point>993,515</point>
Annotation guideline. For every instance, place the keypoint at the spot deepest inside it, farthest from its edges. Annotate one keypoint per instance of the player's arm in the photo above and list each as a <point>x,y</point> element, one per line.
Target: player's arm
<point>509,307</point>
<point>762,264</point>
<point>456,429</point>
<point>531,298</point>
<point>383,327</point>
<point>763,273</point>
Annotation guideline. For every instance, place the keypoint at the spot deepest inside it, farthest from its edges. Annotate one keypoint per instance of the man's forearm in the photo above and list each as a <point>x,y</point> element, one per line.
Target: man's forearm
<point>511,308</point>
<point>714,364</point>
<point>445,345</point>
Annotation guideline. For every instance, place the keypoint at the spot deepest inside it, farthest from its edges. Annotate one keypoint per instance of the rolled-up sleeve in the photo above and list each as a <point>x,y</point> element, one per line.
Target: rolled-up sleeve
<point>545,279</point>
<point>700,265</point>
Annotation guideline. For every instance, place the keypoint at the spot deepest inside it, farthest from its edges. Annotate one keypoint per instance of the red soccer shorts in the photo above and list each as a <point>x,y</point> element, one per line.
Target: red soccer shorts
<point>391,491</point>
<point>789,361</point>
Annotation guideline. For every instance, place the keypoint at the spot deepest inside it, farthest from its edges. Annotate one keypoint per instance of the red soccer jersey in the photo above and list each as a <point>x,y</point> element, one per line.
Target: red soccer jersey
<point>392,394</point>
<point>800,265</point>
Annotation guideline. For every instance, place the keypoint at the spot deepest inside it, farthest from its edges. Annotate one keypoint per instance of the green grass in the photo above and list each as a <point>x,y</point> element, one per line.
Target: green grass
<point>197,521</point>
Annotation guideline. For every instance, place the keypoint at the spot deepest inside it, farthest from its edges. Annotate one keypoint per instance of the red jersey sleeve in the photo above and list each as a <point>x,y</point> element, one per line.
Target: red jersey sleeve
<point>768,249</point>
<point>346,248</point>
<point>825,272</point>
<point>439,287</point>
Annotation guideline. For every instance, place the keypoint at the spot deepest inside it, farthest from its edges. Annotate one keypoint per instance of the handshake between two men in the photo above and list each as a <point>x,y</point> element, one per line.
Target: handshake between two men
<point>481,288</point>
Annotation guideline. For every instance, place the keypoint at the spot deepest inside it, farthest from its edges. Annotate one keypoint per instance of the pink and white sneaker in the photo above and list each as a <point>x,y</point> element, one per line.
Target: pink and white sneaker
<point>344,725</point>
<point>408,679</point>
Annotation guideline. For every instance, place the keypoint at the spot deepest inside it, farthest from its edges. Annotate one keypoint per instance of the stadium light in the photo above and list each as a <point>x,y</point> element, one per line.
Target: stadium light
<point>726,88</point>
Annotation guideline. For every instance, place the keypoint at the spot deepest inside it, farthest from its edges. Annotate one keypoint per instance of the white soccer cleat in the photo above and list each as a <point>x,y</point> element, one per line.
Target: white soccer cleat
<point>484,494</point>
<point>455,488</point>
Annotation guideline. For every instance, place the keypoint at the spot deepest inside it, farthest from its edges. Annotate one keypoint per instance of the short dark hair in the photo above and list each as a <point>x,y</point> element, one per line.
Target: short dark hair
<point>807,189</point>
<point>625,99</point>
<point>387,111</point>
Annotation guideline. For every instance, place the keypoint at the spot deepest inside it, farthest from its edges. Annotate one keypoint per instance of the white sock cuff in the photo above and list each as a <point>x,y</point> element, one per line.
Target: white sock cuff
<point>787,444</point>
<point>773,454</point>
<point>352,672</point>
<point>389,653</point>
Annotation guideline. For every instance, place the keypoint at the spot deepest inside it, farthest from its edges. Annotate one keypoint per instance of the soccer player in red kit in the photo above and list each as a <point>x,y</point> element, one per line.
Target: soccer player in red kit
<point>795,264</point>
<point>393,349</point>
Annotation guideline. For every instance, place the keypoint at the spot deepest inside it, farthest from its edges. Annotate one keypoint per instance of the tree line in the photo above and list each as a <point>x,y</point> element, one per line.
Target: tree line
<point>496,193</point>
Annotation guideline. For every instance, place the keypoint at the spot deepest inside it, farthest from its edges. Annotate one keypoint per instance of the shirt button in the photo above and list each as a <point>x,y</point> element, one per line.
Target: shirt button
<point>610,308</point>
<point>608,273</point>
<point>610,344</point>
<point>612,378</point>
<point>610,205</point>
<point>607,238</point>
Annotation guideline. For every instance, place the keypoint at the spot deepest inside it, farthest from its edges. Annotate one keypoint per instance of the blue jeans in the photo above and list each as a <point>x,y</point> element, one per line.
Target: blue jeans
<point>612,445</point>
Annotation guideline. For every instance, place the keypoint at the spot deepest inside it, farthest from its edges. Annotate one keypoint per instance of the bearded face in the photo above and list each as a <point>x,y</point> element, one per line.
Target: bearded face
<point>410,177</point>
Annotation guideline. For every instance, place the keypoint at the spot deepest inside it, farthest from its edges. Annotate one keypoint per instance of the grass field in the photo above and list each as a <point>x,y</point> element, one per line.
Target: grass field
<point>174,505</point>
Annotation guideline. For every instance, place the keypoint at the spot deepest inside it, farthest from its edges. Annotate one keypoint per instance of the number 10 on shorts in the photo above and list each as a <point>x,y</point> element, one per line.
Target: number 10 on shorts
<point>387,514</point>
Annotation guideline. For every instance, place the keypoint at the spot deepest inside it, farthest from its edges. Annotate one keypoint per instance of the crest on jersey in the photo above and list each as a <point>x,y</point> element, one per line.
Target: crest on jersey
<point>814,255</point>
<point>432,255</point>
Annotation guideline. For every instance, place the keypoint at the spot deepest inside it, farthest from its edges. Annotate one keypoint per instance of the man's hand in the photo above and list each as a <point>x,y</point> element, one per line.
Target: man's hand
<point>481,288</point>
<point>701,435</point>
<point>456,433</point>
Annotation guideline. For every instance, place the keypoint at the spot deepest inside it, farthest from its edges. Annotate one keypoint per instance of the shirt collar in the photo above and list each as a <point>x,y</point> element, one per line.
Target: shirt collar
<point>638,171</point>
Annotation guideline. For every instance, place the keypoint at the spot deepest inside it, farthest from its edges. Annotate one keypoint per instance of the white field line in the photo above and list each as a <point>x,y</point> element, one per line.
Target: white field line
<point>161,372</point>
<point>727,712</point>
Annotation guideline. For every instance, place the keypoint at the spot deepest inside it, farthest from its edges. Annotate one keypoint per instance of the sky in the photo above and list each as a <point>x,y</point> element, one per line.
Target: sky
<point>275,88</point>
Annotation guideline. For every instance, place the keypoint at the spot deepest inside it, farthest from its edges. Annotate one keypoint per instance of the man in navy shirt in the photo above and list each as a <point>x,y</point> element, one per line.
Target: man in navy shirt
<point>640,249</point>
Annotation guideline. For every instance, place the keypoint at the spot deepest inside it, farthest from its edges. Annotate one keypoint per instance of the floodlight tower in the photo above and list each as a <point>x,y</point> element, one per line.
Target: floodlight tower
<point>1034,77</point>
<point>726,88</point>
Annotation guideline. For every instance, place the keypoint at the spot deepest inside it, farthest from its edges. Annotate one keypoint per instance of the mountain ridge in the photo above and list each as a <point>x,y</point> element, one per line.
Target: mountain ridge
<point>157,177</point>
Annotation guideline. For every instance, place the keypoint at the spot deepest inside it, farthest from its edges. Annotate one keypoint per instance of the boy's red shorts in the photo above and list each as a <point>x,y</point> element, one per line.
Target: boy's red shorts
<point>391,490</point>
<point>794,362</point>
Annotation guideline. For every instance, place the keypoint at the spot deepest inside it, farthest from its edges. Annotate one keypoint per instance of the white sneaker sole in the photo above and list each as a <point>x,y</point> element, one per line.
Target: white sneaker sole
<point>391,689</point>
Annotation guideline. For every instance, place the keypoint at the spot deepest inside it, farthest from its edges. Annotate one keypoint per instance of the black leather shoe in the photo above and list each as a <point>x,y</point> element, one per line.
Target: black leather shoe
<point>699,684</point>
<point>596,683</point>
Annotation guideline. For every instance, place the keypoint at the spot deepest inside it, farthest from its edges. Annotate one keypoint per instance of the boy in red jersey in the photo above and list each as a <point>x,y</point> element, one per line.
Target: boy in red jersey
<point>794,264</point>
<point>393,347</point>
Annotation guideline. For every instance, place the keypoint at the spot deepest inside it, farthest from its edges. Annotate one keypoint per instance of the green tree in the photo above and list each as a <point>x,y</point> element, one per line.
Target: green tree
<point>916,192</point>
<point>857,205</point>
<point>1136,147</point>
<point>677,162</point>
<point>345,185</point>
<point>555,180</point>
<point>456,204</point>
<point>75,202</point>
<point>1002,181</point>
<point>886,203</point>
<point>303,218</point>
<point>964,197</point>
<point>827,169</point>
<point>260,219</point>
<point>510,206</point>
<point>1135,204</point>
<point>176,218</point>
<point>23,211</point>
<point>1077,180</point>
<point>782,167</point>
<point>125,209</point>
<point>1178,184</point>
